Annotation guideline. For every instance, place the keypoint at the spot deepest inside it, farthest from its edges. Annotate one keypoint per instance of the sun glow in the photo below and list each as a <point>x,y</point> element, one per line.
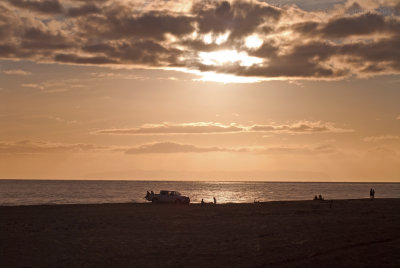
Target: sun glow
<point>253,41</point>
<point>228,56</point>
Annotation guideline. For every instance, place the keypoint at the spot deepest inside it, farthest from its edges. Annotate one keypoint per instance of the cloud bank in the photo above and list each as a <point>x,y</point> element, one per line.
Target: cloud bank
<point>218,128</point>
<point>29,147</point>
<point>173,147</point>
<point>267,42</point>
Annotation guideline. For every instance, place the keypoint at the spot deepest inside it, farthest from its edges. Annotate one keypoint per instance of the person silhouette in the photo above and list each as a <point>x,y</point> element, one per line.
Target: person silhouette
<point>215,200</point>
<point>202,201</point>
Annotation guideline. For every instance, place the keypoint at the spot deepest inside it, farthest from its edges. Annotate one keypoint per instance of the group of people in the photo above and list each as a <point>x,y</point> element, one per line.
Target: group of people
<point>372,193</point>
<point>318,197</point>
<point>149,193</point>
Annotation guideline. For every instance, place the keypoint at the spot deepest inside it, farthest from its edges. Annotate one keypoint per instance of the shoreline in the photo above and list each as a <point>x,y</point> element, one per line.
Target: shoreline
<point>199,204</point>
<point>351,233</point>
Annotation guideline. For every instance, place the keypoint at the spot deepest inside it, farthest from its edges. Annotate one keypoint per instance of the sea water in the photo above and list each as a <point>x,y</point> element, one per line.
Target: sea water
<point>33,192</point>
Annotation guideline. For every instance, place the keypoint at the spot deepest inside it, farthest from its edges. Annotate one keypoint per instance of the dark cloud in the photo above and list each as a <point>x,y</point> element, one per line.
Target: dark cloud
<point>384,50</point>
<point>71,58</point>
<point>396,9</point>
<point>341,27</point>
<point>359,25</point>
<point>83,10</point>
<point>45,6</point>
<point>147,51</point>
<point>115,23</point>
<point>7,50</point>
<point>35,38</point>
<point>240,17</point>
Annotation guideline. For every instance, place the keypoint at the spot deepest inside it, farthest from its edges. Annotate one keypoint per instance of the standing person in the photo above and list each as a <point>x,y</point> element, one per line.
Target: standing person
<point>202,201</point>
<point>371,193</point>
<point>215,200</point>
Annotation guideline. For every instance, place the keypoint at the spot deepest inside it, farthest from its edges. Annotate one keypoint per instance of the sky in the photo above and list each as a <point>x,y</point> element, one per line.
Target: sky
<point>200,90</point>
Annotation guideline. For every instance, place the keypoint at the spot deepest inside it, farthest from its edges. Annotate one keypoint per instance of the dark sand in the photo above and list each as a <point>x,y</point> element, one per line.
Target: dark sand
<point>353,233</point>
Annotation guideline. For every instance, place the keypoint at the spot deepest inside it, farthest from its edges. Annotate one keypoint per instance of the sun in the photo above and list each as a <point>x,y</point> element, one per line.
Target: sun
<point>253,42</point>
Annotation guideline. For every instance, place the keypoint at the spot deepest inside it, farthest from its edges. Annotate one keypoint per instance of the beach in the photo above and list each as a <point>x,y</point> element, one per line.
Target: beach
<point>338,233</point>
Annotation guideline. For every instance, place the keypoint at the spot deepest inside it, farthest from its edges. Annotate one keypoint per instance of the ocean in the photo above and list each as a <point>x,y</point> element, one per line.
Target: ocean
<point>34,192</point>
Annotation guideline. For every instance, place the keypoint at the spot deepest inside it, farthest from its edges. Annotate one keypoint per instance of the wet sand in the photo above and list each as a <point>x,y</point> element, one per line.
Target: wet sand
<point>344,233</point>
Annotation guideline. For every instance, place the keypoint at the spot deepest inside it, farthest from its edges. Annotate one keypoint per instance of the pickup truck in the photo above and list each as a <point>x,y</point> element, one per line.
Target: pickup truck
<point>167,197</point>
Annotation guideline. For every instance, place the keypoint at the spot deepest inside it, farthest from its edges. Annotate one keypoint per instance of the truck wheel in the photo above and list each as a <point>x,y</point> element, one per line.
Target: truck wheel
<point>177,202</point>
<point>155,200</point>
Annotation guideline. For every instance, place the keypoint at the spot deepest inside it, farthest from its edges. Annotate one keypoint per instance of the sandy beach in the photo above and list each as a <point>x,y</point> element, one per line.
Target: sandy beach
<point>342,233</point>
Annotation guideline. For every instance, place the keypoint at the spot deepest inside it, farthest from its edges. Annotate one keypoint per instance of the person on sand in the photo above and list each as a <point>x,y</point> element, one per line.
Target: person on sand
<point>315,197</point>
<point>215,200</point>
<point>202,201</point>
<point>371,193</point>
<point>320,197</point>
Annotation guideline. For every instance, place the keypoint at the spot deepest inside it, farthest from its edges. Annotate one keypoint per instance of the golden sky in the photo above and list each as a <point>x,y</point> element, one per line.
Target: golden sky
<point>200,90</point>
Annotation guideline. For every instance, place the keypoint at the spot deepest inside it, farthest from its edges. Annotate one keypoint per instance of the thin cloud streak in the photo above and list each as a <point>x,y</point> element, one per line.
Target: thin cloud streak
<point>16,72</point>
<point>35,147</point>
<point>381,138</point>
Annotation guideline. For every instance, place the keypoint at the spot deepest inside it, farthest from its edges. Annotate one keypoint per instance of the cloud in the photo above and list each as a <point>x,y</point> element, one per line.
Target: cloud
<point>299,127</point>
<point>33,85</point>
<point>239,17</point>
<point>42,6</point>
<point>294,150</point>
<point>293,43</point>
<point>218,128</point>
<point>162,147</point>
<point>173,147</point>
<point>381,138</point>
<point>16,72</point>
<point>33,147</point>
<point>53,86</point>
<point>83,10</point>
<point>167,128</point>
